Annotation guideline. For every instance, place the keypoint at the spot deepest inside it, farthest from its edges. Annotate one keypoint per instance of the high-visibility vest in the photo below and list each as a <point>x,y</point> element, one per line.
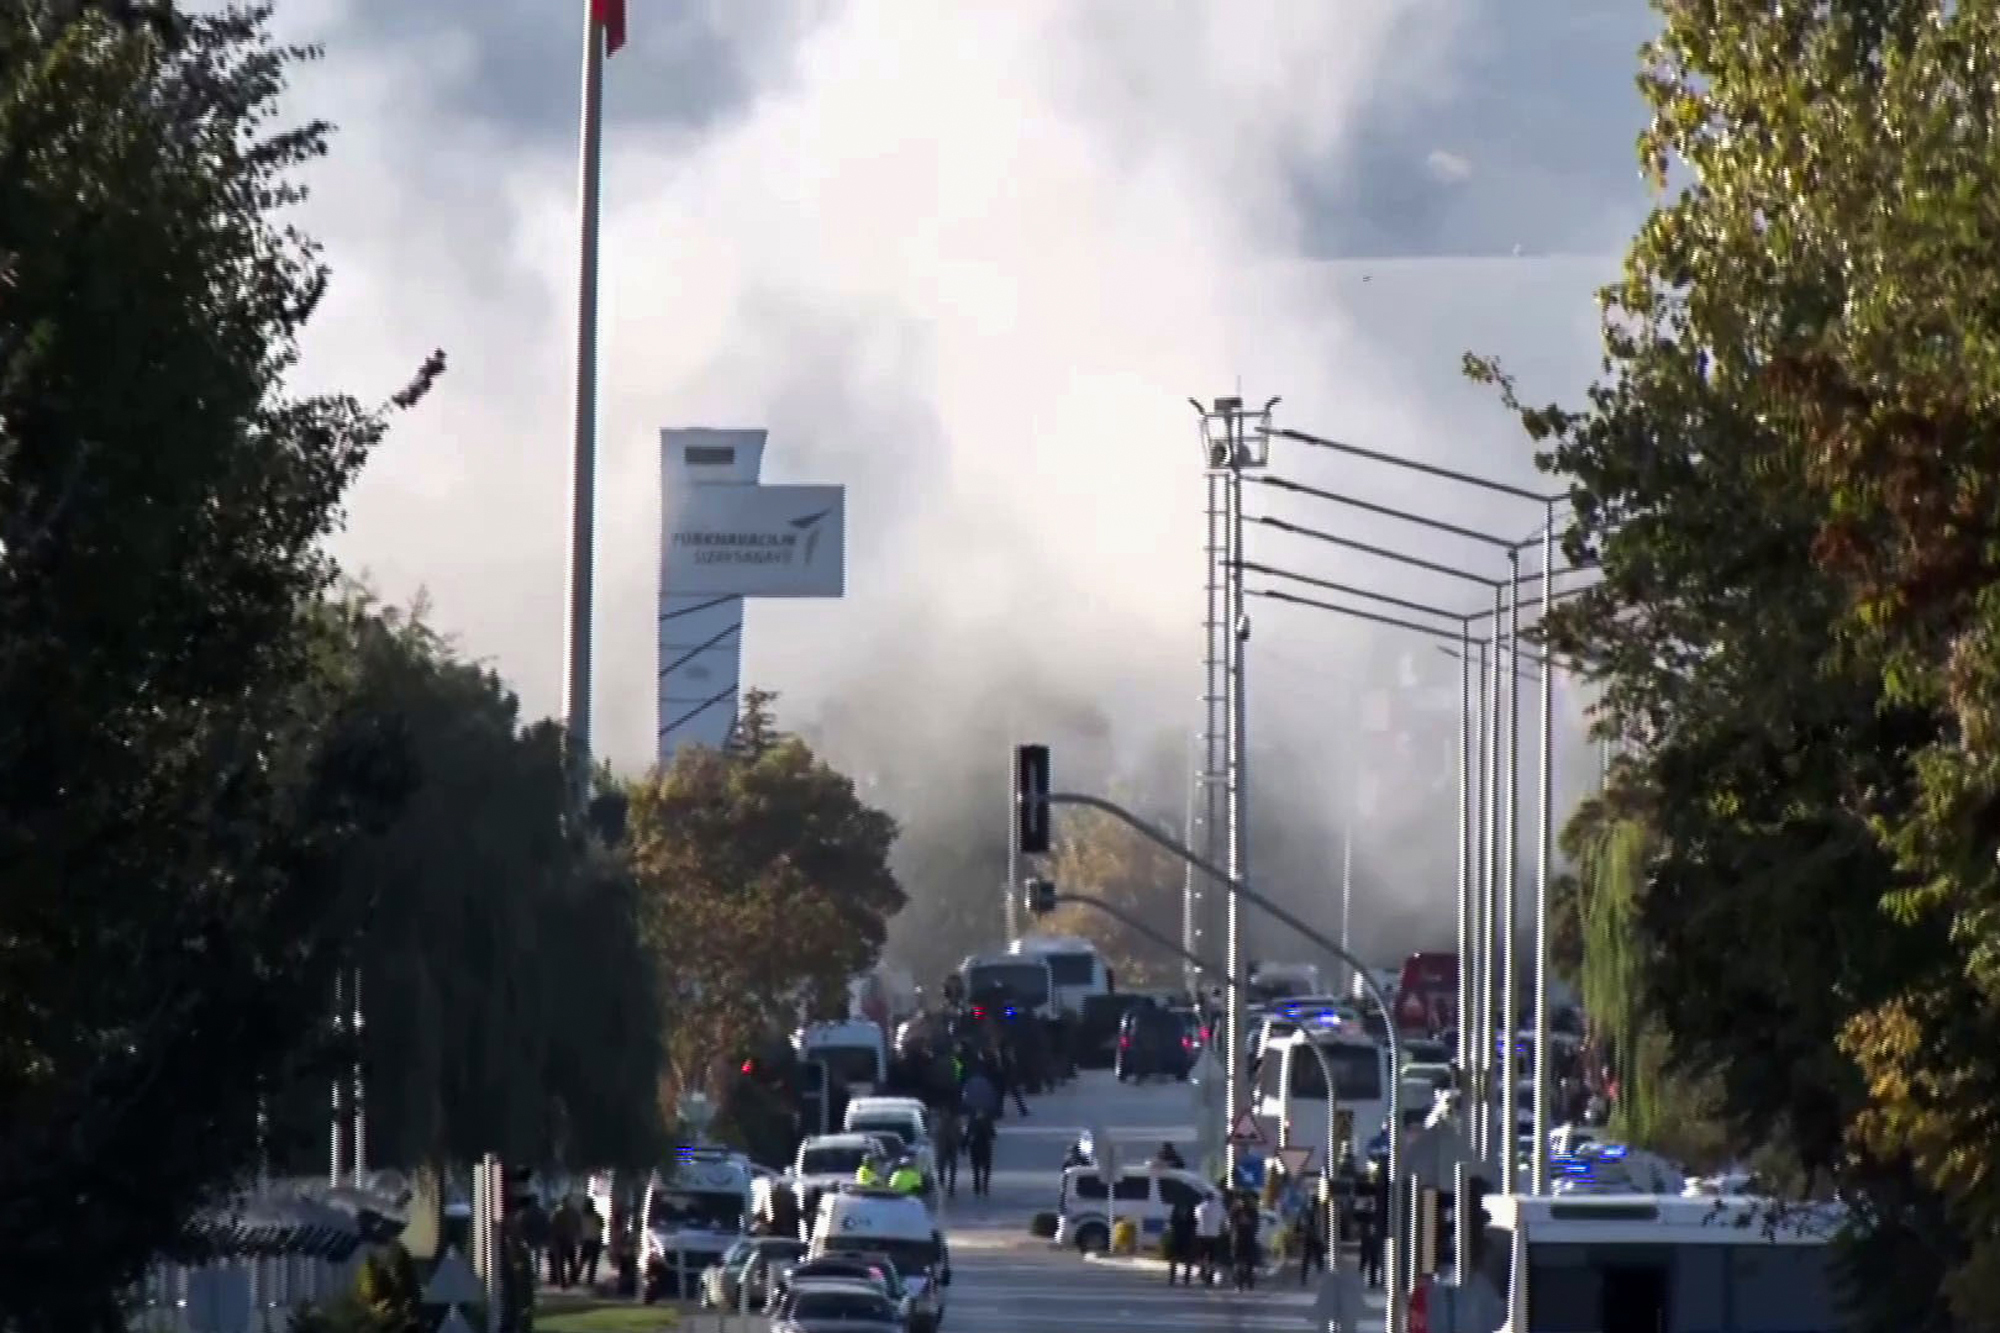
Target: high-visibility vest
<point>907,1180</point>
<point>867,1175</point>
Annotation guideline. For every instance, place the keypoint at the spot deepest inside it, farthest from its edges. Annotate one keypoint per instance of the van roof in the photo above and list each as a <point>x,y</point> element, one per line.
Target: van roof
<point>872,1212</point>
<point>1667,1219</point>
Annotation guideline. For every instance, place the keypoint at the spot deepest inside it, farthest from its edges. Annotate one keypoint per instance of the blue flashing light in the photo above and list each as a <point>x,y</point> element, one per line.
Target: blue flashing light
<point>1011,1011</point>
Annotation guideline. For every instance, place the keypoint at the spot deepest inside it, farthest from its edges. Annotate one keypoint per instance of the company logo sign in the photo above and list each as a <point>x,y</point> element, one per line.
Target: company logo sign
<point>755,541</point>
<point>796,542</point>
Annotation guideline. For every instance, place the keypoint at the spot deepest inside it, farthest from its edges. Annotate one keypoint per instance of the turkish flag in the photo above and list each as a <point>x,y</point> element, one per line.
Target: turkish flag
<point>610,16</point>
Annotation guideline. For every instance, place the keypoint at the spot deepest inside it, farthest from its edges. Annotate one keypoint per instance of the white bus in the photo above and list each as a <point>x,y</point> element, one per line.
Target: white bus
<point>1585,1264</point>
<point>1291,1085</point>
<point>1076,969</point>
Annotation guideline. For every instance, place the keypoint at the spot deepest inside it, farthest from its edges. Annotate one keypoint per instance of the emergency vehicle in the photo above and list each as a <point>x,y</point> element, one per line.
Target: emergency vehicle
<point>878,1221</point>
<point>695,1210</point>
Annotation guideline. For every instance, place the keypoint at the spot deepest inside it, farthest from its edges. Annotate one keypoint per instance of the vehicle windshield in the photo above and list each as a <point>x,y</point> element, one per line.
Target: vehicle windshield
<point>897,1131</point>
<point>1071,969</point>
<point>674,1210</point>
<point>839,1306</point>
<point>1357,1072</point>
<point>850,1064</point>
<point>831,1161</point>
<point>1026,984</point>
<point>913,1258</point>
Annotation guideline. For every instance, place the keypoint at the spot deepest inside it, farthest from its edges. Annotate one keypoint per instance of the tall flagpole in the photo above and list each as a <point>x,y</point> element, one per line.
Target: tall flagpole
<point>583,480</point>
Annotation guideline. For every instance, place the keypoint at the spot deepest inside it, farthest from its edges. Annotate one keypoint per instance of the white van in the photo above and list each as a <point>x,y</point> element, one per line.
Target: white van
<point>854,1052</point>
<point>1291,1086</point>
<point>1144,1195</point>
<point>1731,1265</point>
<point>694,1212</point>
<point>884,1222</point>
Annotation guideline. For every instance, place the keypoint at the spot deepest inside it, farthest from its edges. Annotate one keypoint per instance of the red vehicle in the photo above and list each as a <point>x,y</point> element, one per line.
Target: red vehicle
<point>1427,995</point>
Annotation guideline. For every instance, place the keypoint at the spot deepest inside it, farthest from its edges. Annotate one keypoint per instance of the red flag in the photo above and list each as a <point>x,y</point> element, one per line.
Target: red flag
<point>610,16</point>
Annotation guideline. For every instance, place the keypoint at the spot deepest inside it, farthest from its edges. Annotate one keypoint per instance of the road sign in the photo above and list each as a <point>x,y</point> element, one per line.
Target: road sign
<point>1246,1130</point>
<point>1295,1160</point>
<point>453,1282</point>
<point>454,1322</point>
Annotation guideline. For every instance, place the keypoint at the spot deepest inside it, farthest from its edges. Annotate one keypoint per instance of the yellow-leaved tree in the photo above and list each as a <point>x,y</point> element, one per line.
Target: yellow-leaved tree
<point>1098,857</point>
<point>765,885</point>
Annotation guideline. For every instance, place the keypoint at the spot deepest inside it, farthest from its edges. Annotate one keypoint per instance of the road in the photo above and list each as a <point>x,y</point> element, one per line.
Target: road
<point>1007,1281</point>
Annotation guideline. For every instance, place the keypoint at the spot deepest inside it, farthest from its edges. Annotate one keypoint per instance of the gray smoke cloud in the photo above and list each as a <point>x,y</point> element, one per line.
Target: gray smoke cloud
<point>970,260</point>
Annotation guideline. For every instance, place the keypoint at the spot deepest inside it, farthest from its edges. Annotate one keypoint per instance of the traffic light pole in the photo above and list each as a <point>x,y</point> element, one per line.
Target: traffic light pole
<point>1237,986</point>
<point>1036,801</point>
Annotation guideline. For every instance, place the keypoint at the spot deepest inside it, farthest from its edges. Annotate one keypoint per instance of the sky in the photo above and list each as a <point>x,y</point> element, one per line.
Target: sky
<point>971,260</point>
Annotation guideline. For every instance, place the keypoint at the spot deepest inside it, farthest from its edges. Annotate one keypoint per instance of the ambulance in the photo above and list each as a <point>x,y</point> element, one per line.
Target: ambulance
<point>695,1210</point>
<point>858,1219</point>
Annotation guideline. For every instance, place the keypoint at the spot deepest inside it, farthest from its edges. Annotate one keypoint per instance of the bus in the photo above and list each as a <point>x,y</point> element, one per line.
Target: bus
<point>1644,1261</point>
<point>1025,981</point>
<point>1427,994</point>
<point>1076,969</point>
<point>1291,1085</point>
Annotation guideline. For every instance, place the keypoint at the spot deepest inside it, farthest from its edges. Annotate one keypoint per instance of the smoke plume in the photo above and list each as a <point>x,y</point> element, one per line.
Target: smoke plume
<point>971,260</point>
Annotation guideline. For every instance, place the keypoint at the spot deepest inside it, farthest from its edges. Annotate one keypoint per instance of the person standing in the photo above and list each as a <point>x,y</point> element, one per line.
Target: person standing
<point>562,1245</point>
<point>1309,1239</point>
<point>946,1137</point>
<point>1374,1202</point>
<point>1183,1243</point>
<point>592,1242</point>
<point>1243,1242</point>
<point>979,1136</point>
<point>1209,1217</point>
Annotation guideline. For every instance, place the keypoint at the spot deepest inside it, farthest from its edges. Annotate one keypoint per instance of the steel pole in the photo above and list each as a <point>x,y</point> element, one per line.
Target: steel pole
<point>583,463</point>
<point>1233,761</point>
<point>1489,966</point>
<point>1544,798</point>
<point>1347,885</point>
<point>1465,837</point>
<point>1510,886</point>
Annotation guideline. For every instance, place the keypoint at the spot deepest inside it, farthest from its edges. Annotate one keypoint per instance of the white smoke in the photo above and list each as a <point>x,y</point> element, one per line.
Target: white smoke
<point>969,259</point>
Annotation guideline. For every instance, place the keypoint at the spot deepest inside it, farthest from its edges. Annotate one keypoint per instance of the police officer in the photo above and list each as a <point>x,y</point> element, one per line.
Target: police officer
<point>906,1179</point>
<point>869,1174</point>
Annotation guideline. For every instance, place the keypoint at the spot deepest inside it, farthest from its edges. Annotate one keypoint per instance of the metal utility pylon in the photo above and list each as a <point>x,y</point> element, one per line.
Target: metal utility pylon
<point>1233,440</point>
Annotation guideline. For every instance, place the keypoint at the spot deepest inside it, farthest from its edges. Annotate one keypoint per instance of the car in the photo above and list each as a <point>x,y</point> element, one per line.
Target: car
<point>917,1297</point>
<point>837,1307</point>
<point>744,1278</point>
<point>1153,1043</point>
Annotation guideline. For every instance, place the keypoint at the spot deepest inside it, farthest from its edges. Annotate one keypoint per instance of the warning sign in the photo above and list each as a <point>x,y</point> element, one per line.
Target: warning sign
<point>1246,1130</point>
<point>1295,1160</point>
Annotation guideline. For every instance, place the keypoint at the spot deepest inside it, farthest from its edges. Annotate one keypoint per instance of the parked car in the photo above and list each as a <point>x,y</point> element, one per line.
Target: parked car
<point>1153,1043</point>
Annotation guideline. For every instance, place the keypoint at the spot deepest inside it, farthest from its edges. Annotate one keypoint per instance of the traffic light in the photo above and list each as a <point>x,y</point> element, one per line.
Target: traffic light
<point>1031,799</point>
<point>1041,896</point>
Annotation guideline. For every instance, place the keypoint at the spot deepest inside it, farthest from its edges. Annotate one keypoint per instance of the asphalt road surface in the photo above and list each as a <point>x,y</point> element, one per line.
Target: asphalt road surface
<point>1006,1281</point>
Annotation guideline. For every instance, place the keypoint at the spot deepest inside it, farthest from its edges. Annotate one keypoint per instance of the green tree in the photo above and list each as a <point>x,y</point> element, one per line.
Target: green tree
<point>1787,475</point>
<point>510,1005</point>
<point>180,777</point>
<point>765,885</point>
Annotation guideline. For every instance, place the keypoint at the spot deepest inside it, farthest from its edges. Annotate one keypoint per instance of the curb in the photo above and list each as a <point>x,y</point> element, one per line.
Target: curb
<point>1146,1263</point>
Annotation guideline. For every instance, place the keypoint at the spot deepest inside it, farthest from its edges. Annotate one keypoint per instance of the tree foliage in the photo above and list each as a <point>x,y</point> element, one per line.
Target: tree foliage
<point>764,885</point>
<point>1099,857</point>
<point>1788,475</point>
<point>180,773</point>
<point>510,1005</point>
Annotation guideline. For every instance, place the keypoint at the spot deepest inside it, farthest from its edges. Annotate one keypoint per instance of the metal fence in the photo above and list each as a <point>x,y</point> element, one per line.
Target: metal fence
<point>246,1295</point>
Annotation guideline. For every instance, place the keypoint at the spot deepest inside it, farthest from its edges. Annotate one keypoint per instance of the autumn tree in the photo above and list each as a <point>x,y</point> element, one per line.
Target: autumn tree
<point>764,886</point>
<point>1097,856</point>
<point>181,774</point>
<point>1787,476</point>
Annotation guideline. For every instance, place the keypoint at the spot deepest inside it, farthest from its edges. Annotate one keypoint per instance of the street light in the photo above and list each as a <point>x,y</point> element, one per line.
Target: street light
<point>1476,917</point>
